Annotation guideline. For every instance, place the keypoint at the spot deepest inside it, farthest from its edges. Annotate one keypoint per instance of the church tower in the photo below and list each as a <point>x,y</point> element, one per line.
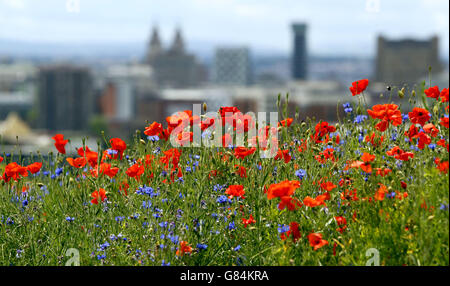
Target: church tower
<point>154,47</point>
<point>178,43</point>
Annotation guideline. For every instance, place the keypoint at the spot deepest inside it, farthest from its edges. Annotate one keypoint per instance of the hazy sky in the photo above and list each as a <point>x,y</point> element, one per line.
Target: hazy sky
<point>335,27</point>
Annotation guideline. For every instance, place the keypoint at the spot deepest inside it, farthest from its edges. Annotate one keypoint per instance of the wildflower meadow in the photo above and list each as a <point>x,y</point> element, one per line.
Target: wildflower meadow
<point>371,189</point>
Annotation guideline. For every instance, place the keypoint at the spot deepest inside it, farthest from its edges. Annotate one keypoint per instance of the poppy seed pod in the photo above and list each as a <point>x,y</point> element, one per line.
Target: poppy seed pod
<point>401,93</point>
<point>204,106</point>
<point>413,93</point>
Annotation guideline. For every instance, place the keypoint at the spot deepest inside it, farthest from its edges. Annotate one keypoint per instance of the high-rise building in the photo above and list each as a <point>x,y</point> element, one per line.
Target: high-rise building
<point>406,61</point>
<point>232,66</point>
<point>300,56</point>
<point>173,67</point>
<point>65,97</point>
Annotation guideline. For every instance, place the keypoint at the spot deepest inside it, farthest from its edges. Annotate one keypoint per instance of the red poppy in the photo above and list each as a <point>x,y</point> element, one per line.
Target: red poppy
<point>283,155</point>
<point>206,123</point>
<point>433,92</point>
<point>235,191</point>
<point>60,143</point>
<point>14,171</point>
<point>183,249</point>
<point>342,223</point>
<point>241,171</point>
<point>242,122</point>
<point>286,122</point>
<point>382,172</point>
<point>290,203</point>
<point>180,118</point>
<point>123,187</point>
<point>431,129</point>
<point>118,145</point>
<point>171,156</point>
<point>366,166</point>
<point>183,138</point>
<point>380,194</point>
<point>359,86</point>
<point>34,168</point>
<point>327,186</point>
<point>318,201</point>
<point>350,195</point>
<point>388,113</point>
<point>444,122</point>
<point>327,154</point>
<point>316,241</point>
<point>442,166</point>
<point>79,162</point>
<point>399,154</point>
<point>321,130</point>
<point>109,171</point>
<point>153,129</point>
<point>444,95</point>
<point>412,132</point>
<point>374,139</point>
<point>282,189</point>
<point>135,171</point>
<point>227,140</point>
<point>424,139</point>
<point>419,115</point>
<point>90,155</point>
<point>96,195</point>
<point>248,221</point>
<point>293,231</point>
<point>242,152</point>
<point>227,112</point>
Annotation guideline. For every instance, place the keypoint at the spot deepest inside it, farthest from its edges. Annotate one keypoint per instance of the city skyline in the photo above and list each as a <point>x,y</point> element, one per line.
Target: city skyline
<point>262,25</point>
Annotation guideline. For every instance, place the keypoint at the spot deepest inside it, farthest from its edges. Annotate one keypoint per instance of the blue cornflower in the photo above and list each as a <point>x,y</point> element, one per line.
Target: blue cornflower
<point>231,225</point>
<point>104,246</point>
<point>58,171</point>
<point>360,118</point>
<point>154,138</point>
<point>70,219</point>
<point>300,173</point>
<point>237,248</point>
<point>101,257</point>
<point>223,199</point>
<point>202,246</point>
<point>282,228</point>
<point>347,107</point>
<point>146,204</point>
<point>174,238</point>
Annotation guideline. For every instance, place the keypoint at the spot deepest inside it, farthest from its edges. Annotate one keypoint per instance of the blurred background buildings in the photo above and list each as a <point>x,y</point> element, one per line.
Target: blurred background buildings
<point>49,90</point>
